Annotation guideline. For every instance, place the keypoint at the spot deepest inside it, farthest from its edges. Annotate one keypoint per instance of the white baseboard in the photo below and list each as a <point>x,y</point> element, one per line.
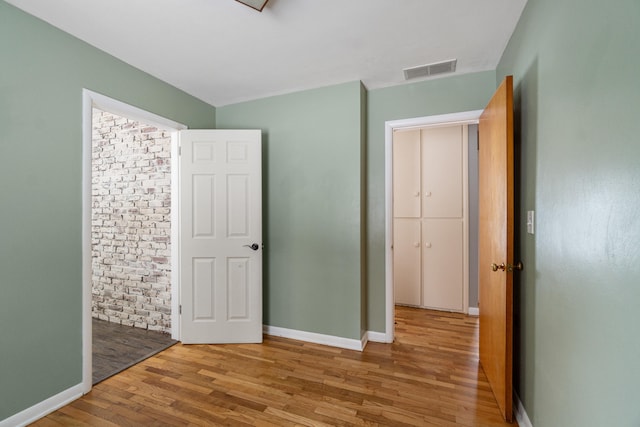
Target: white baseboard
<point>43,408</point>
<point>330,340</point>
<point>474,311</point>
<point>377,337</point>
<point>520,413</point>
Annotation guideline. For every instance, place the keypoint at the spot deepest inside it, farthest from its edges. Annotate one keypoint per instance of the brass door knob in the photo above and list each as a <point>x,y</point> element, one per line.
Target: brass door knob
<point>509,267</point>
<point>496,267</point>
<point>517,266</point>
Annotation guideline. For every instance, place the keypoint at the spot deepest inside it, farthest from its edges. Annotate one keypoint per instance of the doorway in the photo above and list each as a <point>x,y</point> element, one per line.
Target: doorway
<point>91,101</point>
<point>465,118</point>
<point>130,242</point>
<point>430,224</point>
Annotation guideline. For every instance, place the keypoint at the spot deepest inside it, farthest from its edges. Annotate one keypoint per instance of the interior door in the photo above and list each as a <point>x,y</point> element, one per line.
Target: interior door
<point>220,236</point>
<point>496,201</point>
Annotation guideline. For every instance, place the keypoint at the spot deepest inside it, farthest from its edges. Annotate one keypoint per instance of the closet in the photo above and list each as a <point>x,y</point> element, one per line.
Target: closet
<point>429,217</point>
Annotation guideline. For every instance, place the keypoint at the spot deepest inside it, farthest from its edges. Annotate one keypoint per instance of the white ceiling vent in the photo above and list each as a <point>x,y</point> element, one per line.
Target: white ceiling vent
<point>430,69</point>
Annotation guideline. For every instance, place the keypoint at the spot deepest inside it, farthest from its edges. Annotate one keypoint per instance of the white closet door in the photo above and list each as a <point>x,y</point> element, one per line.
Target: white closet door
<point>429,222</point>
<point>406,174</point>
<point>443,268</point>
<point>407,277</point>
<point>442,172</point>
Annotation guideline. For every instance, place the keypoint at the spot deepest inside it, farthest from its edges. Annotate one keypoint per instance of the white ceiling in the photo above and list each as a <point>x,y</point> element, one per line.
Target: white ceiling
<point>224,52</point>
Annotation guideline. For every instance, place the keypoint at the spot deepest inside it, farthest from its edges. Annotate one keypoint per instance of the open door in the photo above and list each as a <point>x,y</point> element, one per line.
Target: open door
<point>220,236</point>
<point>496,264</point>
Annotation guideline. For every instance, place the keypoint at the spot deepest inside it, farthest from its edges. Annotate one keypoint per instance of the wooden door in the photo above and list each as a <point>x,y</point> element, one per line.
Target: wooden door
<point>220,236</point>
<point>496,201</point>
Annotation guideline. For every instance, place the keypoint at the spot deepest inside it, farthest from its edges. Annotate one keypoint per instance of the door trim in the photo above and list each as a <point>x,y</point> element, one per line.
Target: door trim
<point>462,118</point>
<point>90,100</point>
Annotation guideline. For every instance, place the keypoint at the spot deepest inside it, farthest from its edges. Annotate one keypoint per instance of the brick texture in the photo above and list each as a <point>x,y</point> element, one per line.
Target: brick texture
<point>130,230</point>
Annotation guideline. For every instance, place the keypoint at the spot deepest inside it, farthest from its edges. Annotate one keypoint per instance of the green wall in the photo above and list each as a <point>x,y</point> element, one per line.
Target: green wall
<point>576,66</point>
<point>312,206</point>
<point>42,76</point>
<point>307,121</point>
<point>456,94</point>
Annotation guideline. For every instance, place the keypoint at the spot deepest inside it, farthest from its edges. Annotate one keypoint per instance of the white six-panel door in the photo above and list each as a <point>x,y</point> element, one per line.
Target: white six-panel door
<point>220,220</point>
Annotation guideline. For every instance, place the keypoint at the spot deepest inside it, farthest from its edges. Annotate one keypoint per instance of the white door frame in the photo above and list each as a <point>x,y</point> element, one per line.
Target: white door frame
<point>463,118</point>
<point>90,100</point>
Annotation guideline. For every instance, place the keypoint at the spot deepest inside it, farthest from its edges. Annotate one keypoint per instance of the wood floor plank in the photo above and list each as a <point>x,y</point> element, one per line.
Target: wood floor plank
<point>430,376</point>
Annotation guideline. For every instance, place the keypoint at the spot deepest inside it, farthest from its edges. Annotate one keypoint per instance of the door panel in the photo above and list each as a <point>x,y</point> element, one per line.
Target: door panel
<point>203,206</point>
<point>406,174</point>
<point>407,277</point>
<point>442,172</point>
<point>237,206</point>
<point>238,288</point>
<point>220,218</point>
<point>496,201</point>
<point>443,264</point>
<point>203,301</point>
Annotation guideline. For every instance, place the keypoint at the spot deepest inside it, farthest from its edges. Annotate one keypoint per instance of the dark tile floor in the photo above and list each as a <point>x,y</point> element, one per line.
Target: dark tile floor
<point>117,347</point>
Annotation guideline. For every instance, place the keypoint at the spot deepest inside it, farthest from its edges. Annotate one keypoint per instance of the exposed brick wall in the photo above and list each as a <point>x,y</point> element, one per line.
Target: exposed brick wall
<point>130,230</point>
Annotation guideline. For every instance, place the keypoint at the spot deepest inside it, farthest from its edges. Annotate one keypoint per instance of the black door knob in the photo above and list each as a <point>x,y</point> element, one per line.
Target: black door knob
<point>254,246</point>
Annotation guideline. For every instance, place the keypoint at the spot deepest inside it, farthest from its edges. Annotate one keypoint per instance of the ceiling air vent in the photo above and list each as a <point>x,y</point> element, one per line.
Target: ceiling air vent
<point>430,69</point>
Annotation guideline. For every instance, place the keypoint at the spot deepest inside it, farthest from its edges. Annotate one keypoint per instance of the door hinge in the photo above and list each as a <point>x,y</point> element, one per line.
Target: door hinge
<point>180,309</point>
<point>179,151</point>
<point>478,139</point>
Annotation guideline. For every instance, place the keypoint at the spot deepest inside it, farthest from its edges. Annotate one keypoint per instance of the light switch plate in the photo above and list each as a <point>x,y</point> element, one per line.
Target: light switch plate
<point>530,222</point>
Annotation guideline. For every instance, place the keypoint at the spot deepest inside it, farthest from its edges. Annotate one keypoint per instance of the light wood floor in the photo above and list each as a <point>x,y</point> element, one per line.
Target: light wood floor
<point>429,377</point>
